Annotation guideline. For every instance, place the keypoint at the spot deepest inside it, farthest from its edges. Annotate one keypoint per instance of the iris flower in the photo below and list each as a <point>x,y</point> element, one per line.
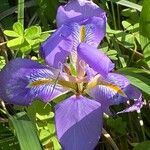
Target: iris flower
<point>73,64</point>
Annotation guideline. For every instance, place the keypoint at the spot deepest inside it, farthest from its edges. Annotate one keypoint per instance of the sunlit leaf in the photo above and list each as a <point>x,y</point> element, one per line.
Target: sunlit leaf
<point>15,42</point>
<point>18,28</point>
<point>33,32</point>
<point>11,33</point>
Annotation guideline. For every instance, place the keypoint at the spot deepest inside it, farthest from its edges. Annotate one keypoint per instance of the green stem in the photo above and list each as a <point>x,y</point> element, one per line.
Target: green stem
<point>109,139</point>
<point>113,13</point>
<point>118,15</point>
<point>141,124</point>
<point>4,108</point>
<point>21,12</point>
<point>50,31</point>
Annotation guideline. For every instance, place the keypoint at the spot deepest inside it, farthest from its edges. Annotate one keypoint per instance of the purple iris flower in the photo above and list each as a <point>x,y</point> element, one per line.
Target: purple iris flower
<point>78,118</point>
<point>79,122</point>
<point>82,27</point>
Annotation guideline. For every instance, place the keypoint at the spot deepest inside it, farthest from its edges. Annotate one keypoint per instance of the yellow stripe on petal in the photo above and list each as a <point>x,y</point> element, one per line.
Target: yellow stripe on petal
<point>98,81</point>
<point>82,33</point>
<point>115,88</point>
<point>40,82</point>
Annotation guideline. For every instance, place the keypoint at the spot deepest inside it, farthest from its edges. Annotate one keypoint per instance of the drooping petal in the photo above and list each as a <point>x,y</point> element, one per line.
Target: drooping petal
<point>76,11</point>
<point>57,47</point>
<point>130,91</point>
<point>23,80</point>
<point>103,94</point>
<point>95,59</point>
<point>118,80</point>
<point>109,95</point>
<point>78,123</point>
<point>136,95</point>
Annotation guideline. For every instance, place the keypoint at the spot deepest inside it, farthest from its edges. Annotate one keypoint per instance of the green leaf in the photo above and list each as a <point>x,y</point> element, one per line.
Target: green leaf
<point>134,70</point>
<point>47,11</point>
<point>25,132</point>
<point>123,61</point>
<point>56,144</point>
<point>25,47</point>
<point>126,39</point>
<point>143,146</point>
<point>11,33</point>
<point>112,52</point>
<point>15,42</point>
<point>137,80</point>
<point>18,28</point>
<point>7,139</point>
<point>2,62</point>
<point>118,125</point>
<point>43,117</point>
<point>126,24</point>
<point>129,4</point>
<point>33,32</point>
<point>145,28</point>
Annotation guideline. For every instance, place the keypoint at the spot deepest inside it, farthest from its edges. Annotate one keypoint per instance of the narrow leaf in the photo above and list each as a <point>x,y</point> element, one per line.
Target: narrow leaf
<point>129,4</point>
<point>145,28</point>
<point>138,80</point>
<point>25,132</point>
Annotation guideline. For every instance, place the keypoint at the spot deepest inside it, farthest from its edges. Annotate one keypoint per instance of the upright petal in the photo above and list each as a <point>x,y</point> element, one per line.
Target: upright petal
<point>23,80</point>
<point>78,123</point>
<point>90,73</point>
<point>95,59</point>
<point>97,27</point>
<point>76,11</point>
<point>57,47</point>
<point>90,31</point>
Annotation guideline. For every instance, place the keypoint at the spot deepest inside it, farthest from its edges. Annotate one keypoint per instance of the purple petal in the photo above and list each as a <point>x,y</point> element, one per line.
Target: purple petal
<point>57,47</point>
<point>135,107</point>
<point>103,94</point>
<point>109,96</point>
<point>95,58</point>
<point>76,11</point>
<point>118,79</point>
<point>98,29</point>
<point>90,31</point>
<point>78,123</point>
<point>136,95</point>
<point>17,78</point>
<point>90,73</point>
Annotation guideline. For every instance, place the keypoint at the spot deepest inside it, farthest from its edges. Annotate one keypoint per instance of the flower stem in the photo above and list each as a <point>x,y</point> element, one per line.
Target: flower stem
<point>141,124</point>
<point>113,16</point>
<point>21,12</point>
<point>110,140</point>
